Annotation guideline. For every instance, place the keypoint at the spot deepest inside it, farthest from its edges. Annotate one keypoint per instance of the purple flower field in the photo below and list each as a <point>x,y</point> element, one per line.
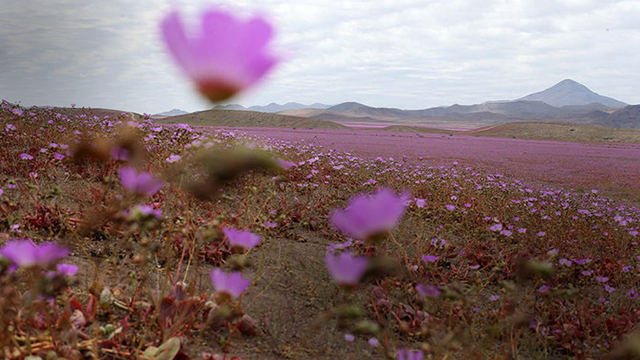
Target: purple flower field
<point>614,168</point>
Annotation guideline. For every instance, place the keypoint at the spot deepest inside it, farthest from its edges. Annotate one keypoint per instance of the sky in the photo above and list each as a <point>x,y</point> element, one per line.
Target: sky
<point>410,54</point>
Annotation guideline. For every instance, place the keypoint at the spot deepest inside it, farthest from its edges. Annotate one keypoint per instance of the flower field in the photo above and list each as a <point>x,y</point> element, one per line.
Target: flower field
<point>123,239</point>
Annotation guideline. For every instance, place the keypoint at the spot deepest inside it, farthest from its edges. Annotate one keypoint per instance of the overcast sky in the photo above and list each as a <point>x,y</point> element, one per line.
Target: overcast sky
<point>408,54</point>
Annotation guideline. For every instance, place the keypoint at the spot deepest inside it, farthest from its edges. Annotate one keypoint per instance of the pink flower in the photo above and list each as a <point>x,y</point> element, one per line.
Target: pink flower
<point>142,183</point>
<point>225,57</point>
<point>369,215</point>
<point>233,284</point>
<point>24,253</point>
<point>346,269</point>
<point>244,239</point>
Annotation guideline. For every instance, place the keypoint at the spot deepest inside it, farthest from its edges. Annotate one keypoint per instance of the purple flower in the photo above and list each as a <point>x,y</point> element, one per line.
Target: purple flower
<point>602,279</point>
<point>346,269</point>
<point>420,203</point>
<point>173,158</point>
<point>430,258</point>
<point>25,156</point>
<point>428,290</point>
<point>225,57</point>
<point>373,342</point>
<point>406,354</point>
<point>369,215</point>
<point>24,253</point>
<point>349,337</point>
<point>118,153</point>
<point>496,227</point>
<point>632,294</point>
<point>494,297</point>
<point>63,270</point>
<point>233,284</point>
<point>243,239</point>
<point>543,289</point>
<point>270,224</point>
<point>286,164</point>
<point>142,183</point>
<point>450,207</point>
<point>58,156</point>
<point>608,288</point>
<point>144,212</point>
<point>564,262</point>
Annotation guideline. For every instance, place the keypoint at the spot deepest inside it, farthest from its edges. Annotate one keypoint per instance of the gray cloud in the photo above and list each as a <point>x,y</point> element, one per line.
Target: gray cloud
<point>400,53</point>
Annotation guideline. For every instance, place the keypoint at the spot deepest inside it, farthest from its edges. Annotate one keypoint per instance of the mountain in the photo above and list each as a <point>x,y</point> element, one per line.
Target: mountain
<point>568,92</point>
<point>274,108</point>
<point>229,107</point>
<point>172,112</point>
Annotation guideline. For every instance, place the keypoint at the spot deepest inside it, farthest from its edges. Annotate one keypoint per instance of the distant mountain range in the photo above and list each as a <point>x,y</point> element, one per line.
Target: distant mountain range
<point>273,107</point>
<point>565,102</point>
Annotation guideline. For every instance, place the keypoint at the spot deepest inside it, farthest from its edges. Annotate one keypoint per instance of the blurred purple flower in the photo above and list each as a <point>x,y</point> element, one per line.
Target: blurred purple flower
<point>142,183</point>
<point>225,57</point>
<point>632,294</point>
<point>243,239</point>
<point>286,164</point>
<point>233,284</point>
<point>543,289</point>
<point>173,158</point>
<point>428,290</point>
<point>118,153</point>
<point>346,269</point>
<point>349,337</point>
<point>24,253</point>
<point>373,342</point>
<point>420,203</point>
<point>25,156</point>
<point>369,215</point>
<point>450,207</point>
<point>406,354</point>
<point>602,279</point>
<point>430,258</point>
<point>565,262</point>
<point>63,270</point>
<point>608,288</point>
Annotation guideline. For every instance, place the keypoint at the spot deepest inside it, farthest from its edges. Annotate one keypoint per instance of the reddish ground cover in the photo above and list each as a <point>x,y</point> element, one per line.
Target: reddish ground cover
<point>612,168</point>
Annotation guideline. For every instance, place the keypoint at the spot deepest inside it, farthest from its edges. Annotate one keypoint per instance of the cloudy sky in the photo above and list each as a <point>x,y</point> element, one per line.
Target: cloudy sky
<point>408,54</point>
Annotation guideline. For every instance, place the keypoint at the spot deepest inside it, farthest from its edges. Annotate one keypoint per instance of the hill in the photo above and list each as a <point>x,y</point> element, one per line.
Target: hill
<point>248,119</point>
<point>627,117</point>
<point>558,132</point>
